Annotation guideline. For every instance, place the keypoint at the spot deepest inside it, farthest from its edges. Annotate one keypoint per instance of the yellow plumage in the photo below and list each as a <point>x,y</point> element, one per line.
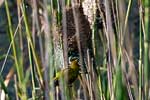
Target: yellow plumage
<point>69,74</point>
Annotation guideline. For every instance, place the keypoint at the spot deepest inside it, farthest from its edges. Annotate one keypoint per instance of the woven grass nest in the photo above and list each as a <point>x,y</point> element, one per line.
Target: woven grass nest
<point>84,30</point>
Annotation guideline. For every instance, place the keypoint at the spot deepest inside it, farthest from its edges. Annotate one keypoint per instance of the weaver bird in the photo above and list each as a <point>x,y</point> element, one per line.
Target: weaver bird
<point>69,74</point>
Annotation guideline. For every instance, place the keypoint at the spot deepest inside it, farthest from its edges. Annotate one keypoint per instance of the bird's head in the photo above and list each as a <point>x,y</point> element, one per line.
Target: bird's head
<point>75,63</point>
<point>73,59</point>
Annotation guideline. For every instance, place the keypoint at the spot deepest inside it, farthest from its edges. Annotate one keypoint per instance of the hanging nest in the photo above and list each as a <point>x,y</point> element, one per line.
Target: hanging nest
<point>84,31</point>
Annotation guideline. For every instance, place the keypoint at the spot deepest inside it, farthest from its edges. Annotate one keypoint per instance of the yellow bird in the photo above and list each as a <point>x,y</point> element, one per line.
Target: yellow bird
<point>69,74</point>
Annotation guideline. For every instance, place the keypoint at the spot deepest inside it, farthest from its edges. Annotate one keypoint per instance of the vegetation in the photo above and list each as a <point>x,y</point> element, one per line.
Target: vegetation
<point>109,37</point>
